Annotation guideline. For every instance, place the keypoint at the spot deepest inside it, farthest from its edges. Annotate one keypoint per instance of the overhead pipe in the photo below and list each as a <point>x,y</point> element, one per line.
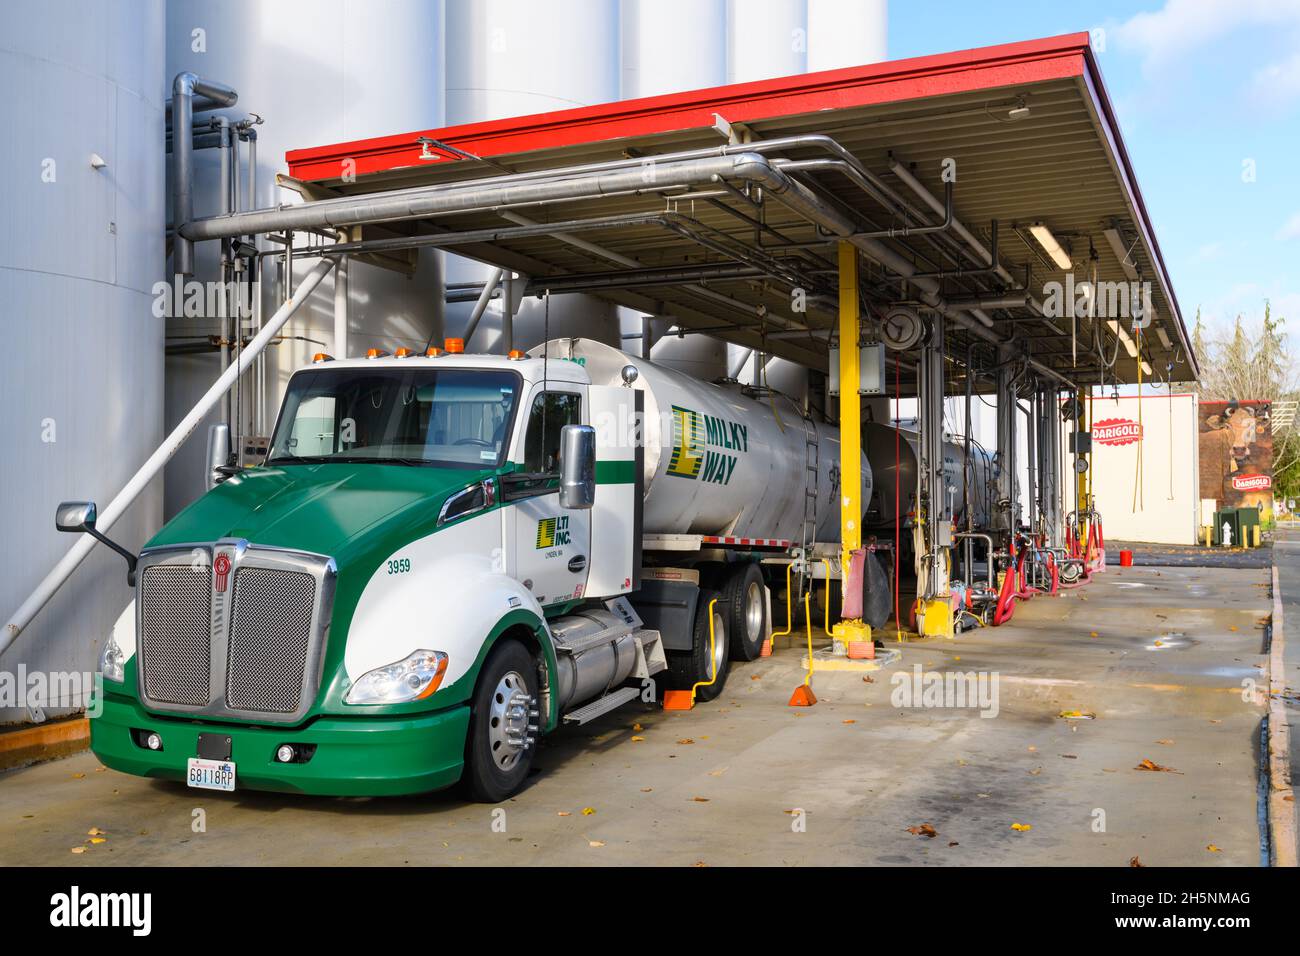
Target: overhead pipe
<point>184,88</point>
<point>151,468</point>
<point>481,305</point>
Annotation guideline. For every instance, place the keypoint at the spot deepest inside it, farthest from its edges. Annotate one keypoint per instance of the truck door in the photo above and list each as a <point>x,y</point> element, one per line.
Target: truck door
<point>552,545</point>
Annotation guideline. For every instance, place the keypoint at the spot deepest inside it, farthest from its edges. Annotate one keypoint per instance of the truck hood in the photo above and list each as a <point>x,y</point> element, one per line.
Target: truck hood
<point>320,508</point>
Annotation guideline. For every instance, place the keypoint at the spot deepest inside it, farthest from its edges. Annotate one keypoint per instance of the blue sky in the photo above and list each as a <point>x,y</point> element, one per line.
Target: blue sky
<point>1201,88</point>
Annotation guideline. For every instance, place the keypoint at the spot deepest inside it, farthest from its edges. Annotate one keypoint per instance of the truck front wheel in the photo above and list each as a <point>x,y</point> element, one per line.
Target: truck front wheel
<point>503,724</point>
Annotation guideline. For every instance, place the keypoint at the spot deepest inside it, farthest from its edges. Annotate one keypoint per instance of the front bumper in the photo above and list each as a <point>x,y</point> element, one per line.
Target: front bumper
<point>355,756</point>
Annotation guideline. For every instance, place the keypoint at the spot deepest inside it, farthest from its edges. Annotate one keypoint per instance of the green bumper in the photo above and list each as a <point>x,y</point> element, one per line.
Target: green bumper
<point>354,756</point>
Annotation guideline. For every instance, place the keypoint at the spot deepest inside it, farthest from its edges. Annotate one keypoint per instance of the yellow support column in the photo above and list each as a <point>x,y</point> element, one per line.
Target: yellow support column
<point>854,635</point>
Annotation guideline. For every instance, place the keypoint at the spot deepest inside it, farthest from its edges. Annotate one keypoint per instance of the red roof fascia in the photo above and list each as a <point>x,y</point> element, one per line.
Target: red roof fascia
<point>964,71</point>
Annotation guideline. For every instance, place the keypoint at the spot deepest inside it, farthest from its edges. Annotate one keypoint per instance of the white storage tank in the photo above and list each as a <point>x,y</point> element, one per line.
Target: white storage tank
<point>83,358</point>
<point>510,58</point>
<point>318,72</point>
<point>718,461</point>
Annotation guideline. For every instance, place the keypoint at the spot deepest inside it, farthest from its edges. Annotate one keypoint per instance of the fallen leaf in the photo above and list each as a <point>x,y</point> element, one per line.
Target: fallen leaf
<point>755,677</point>
<point>595,843</point>
<point>588,811</point>
<point>647,789</point>
<point>954,843</point>
<point>1153,766</point>
<point>77,776</point>
<point>924,830</point>
<point>1135,862</point>
<point>636,739</point>
<point>564,813</point>
<point>1213,849</point>
<point>637,727</point>
<point>1093,634</point>
<point>700,799</point>
<point>1033,749</point>
<point>78,849</point>
<point>850,721</point>
<point>718,773</point>
<point>699,863</point>
<point>1166,742</point>
<point>1232,627</point>
<point>686,740</point>
<point>1036,771</point>
<point>1022,827</point>
<point>868,679</point>
<point>95,831</point>
<point>98,840</point>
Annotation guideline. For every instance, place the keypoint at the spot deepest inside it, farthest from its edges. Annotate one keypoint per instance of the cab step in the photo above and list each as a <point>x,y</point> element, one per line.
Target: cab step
<point>602,705</point>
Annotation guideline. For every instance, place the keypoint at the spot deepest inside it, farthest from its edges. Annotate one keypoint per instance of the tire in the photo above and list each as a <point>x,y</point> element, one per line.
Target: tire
<point>494,769</point>
<point>746,599</point>
<point>686,668</point>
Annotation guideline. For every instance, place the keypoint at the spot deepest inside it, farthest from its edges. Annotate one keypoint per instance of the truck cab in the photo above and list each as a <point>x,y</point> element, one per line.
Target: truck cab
<point>428,572</point>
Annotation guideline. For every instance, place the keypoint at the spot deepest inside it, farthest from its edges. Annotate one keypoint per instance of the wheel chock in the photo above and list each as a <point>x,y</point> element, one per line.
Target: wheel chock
<point>861,650</point>
<point>679,699</point>
<point>766,650</point>
<point>803,696</point>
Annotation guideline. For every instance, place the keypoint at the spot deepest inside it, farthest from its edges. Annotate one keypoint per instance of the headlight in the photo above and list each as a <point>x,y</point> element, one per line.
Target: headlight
<point>112,662</point>
<point>412,679</point>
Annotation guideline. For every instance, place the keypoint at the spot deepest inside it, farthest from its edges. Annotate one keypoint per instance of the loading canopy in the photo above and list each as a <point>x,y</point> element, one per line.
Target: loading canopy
<point>724,255</point>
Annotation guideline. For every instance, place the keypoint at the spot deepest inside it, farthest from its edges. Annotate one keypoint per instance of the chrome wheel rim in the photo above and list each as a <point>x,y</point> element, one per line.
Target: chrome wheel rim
<point>509,727</point>
<point>719,644</point>
<point>754,610</point>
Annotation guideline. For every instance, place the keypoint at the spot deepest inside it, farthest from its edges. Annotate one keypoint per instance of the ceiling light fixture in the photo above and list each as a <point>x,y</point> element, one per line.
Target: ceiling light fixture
<point>1050,245</point>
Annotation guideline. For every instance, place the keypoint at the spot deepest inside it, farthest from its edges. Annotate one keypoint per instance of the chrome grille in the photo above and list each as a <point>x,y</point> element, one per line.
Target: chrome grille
<point>175,629</point>
<point>270,635</point>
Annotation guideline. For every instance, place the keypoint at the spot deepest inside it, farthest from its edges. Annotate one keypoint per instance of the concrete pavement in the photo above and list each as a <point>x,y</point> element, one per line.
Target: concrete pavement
<point>1158,655</point>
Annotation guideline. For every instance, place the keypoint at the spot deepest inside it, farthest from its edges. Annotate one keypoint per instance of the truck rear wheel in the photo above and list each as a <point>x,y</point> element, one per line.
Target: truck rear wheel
<point>746,600</point>
<point>503,724</point>
<point>686,668</point>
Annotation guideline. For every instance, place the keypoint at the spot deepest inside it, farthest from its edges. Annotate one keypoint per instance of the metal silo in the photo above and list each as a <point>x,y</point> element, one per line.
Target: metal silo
<point>316,72</point>
<point>514,58</point>
<point>82,194</point>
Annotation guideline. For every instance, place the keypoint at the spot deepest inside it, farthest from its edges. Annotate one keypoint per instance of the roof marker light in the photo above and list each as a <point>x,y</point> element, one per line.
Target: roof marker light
<point>433,351</point>
<point>454,346</point>
<point>403,353</point>
<point>515,354</point>
<point>1050,245</point>
<point>375,353</point>
<point>321,357</point>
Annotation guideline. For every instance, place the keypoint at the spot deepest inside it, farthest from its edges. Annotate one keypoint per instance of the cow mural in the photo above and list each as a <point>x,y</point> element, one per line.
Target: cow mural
<point>1236,450</point>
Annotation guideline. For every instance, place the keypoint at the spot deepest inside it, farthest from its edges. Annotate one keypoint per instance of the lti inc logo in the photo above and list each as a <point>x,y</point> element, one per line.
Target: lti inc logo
<point>705,446</point>
<point>553,532</point>
<point>76,909</point>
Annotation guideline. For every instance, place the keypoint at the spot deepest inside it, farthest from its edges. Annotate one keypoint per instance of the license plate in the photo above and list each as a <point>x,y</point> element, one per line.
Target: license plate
<point>211,774</point>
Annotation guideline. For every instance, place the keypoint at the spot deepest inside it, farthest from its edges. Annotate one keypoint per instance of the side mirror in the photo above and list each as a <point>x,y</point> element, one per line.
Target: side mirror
<point>577,466</point>
<point>75,516</point>
<point>80,516</point>
<point>218,456</point>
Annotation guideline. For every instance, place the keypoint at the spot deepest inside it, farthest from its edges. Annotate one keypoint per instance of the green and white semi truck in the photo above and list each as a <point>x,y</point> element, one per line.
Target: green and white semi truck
<point>446,556</point>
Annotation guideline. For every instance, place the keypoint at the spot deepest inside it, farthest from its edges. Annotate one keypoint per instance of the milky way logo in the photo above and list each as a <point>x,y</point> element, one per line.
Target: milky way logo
<point>704,446</point>
<point>1116,431</point>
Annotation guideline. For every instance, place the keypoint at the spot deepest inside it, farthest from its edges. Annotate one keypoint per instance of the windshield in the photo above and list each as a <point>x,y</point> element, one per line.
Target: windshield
<point>456,418</point>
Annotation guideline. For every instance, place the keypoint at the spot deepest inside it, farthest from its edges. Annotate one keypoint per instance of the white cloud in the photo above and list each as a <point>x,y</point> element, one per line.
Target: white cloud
<point>1183,26</point>
<point>1290,229</point>
<point>1278,82</point>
